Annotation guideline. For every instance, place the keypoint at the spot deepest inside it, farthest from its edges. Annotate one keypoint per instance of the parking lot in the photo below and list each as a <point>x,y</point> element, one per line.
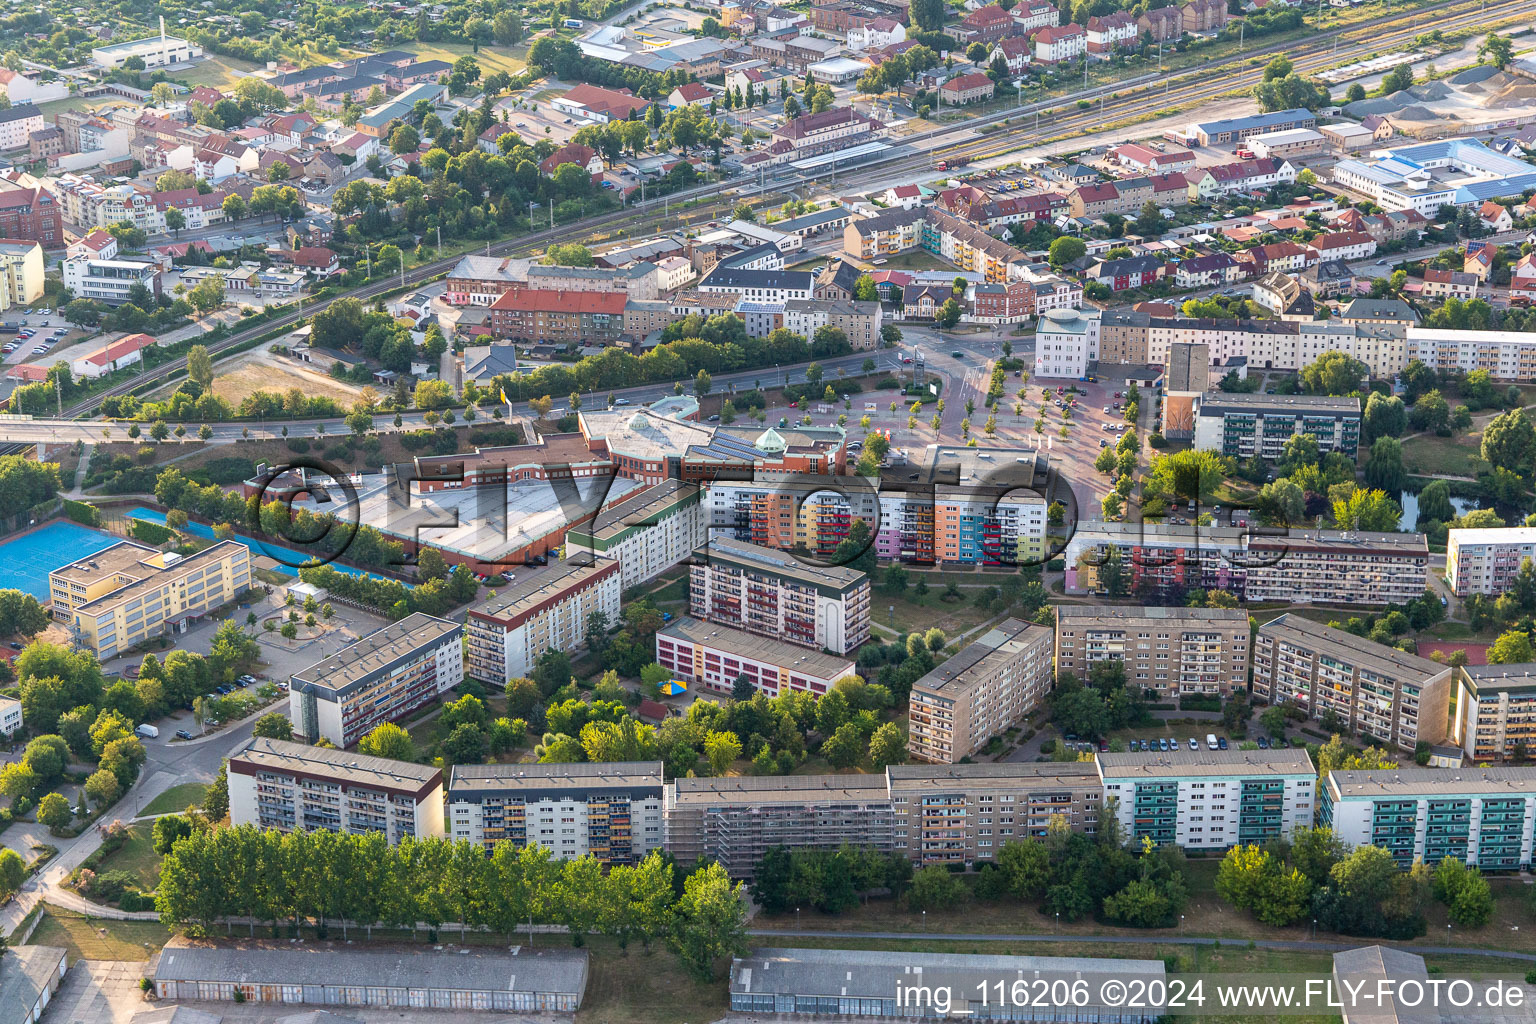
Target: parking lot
<point>40,333</point>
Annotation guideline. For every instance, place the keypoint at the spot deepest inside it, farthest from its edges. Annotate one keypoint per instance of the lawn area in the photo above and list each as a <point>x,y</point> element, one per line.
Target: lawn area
<point>1430,455</point>
<point>911,613</point>
<point>93,939</point>
<point>177,798</point>
<point>645,988</point>
<point>217,71</point>
<point>501,58</point>
<point>137,857</point>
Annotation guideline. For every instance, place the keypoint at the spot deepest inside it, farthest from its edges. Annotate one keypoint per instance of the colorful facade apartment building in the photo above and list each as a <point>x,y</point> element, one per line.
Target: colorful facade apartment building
<point>292,787</point>
<point>610,810</point>
<point>1486,561</point>
<point>379,678</point>
<point>130,592</point>
<point>1482,817</point>
<point>775,594</point>
<point>712,656</point>
<point>1493,715</point>
<point>788,511</point>
<point>990,685</point>
<point>542,610</point>
<point>1374,689</point>
<point>968,506</point>
<point>1210,799</point>
<point>1170,650</point>
<point>1299,566</point>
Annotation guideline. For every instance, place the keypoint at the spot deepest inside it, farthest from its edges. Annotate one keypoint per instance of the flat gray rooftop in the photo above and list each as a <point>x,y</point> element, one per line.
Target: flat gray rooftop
<point>402,967</point>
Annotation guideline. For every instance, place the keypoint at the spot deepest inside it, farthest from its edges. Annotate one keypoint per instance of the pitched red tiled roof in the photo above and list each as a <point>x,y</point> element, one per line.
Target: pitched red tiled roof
<point>119,348</point>
<point>614,102</point>
<point>532,300</point>
<point>313,256</point>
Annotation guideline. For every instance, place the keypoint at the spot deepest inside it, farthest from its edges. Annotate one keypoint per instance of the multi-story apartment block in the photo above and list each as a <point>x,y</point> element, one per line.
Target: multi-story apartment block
<point>1486,561</point>
<point>960,814</point>
<point>966,506</point>
<point>1301,566</point>
<point>1128,336</point>
<point>1480,816</point>
<point>735,820</point>
<point>1246,425</point>
<point>714,656</point>
<point>773,593</point>
<point>610,810</point>
<point>647,533</point>
<point>957,241</point>
<point>993,683</point>
<point>386,674</point>
<point>789,512</point>
<point>1373,689</point>
<point>1494,712</point>
<point>530,314</point>
<point>1066,341</point>
<point>1170,650</point>
<point>129,593</point>
<point>542,610</point>
<point>1210,799</point>
<point>954,815</point>
<point>21,272</point>
<point>1506,355</point>
<point>292,787</point>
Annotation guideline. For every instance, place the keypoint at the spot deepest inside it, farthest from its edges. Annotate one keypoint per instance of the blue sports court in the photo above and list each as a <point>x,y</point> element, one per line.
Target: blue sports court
<point>29,559</point>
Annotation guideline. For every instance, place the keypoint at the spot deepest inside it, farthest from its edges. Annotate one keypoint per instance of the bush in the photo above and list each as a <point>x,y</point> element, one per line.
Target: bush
<point>298,444</point>
<point>151,533</point>
<point>82,512</point>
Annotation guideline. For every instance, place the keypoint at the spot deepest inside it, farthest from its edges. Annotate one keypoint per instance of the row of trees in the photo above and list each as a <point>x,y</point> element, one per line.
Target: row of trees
<point>212,875</point>
<point>1354,892</point>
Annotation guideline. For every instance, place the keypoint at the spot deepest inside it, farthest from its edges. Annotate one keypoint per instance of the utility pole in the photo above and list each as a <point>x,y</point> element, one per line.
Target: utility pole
<point>439,240</point>
<point>551,213</point>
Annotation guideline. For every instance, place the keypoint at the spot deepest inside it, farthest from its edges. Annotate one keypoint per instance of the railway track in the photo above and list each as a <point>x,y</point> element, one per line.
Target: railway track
<point>1177,91</point>
<point>1118,101</point>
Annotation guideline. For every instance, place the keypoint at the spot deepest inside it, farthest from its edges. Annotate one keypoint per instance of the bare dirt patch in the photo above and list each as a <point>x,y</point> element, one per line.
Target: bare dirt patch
<point>261,371</point>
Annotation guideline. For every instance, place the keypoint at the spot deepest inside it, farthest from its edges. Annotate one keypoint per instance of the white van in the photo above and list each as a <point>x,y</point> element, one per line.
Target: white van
<point>148,731</point>
<point>1210,740</point>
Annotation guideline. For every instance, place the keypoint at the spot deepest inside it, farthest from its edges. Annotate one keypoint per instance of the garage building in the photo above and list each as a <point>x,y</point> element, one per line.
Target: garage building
<point>866,983</point>
<point>332,974</point>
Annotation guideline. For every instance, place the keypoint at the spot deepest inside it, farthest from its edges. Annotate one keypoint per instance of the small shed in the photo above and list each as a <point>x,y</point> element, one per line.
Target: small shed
<point>301,590</point>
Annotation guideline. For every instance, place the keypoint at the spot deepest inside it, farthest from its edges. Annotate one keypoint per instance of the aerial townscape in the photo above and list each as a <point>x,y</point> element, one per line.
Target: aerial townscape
<point>724,510</point>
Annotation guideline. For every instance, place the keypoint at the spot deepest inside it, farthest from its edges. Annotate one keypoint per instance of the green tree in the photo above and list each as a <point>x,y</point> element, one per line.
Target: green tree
<point>273,725</point>
<point>1333,373</point>
<point>1496,50</point>
<point>1067,249</point>
<point>710,922</point>
<point>53,811</point>
<point>887,746</point>
<point>1384,466</point>
<point>1513,647</point>
<point>1509,441</point>
<point>721,749</point>
<point>935,888</point>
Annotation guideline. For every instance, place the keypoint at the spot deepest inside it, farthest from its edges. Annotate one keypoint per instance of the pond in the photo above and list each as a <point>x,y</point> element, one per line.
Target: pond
<point>1409,500</point>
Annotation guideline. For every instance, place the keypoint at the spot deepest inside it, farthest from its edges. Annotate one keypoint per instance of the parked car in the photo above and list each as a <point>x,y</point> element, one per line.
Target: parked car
<point>182,734</point>
<point>1263,742</point>
<point>1221,743</point>
<point>1162,743</point>
<point>1194,744</point>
